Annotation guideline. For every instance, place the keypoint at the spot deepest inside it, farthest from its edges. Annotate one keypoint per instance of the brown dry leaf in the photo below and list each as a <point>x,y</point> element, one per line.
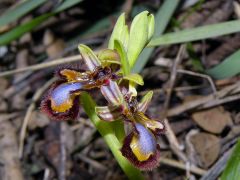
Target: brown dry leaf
<point>191,98</point>
<point>21,62</point>
<point>237,118</point>
<point>229,46</point>
<point>38,120</point>
<point>207,148</point>
<point>3,105</point>
<point>213,120</point>
<point>10,168</point>
<point>19,100</point>
<point>54,45</point>
<point>53,144</point>
<point>236,8</point>
<point>4,84</point>
<point>181,126</point>
<point>26,38</point>
<point>211,12</point>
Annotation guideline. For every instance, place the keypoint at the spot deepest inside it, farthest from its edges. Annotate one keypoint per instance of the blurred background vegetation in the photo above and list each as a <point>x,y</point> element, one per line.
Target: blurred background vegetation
<point>203,111</point>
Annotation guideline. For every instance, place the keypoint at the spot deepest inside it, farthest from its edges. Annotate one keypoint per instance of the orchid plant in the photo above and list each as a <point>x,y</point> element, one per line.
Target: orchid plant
<point>109,71</point>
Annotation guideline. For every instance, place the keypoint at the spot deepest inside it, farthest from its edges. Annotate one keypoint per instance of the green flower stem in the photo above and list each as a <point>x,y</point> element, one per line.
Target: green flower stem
<point>118,127</point>
<point>106,129</point>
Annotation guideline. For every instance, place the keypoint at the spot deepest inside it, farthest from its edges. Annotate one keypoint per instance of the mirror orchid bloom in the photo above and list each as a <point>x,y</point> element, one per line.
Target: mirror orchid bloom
<point>140,145</point>
<point>62,100</point>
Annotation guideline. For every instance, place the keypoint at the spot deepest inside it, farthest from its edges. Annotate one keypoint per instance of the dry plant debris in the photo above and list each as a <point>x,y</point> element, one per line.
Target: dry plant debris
<point>207,148</point>
<point>213,120</point>
<point>201,130</point>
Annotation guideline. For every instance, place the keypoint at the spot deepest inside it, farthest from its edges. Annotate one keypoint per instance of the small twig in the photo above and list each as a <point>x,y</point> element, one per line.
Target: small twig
<point>180,165</point>
<point>43,65</point>
<point>62,165</point>
<point>176,89</point>
<point>27,117</point>
<point>200,75</point>
<point>92,162</point>
<point>127,7</point>
<point>6,117</point>
<point>216,102</point>
<point>173,78</point>
<point>82,122</point>
<point>231,138</point>
<point>46,174</point>
<point>10,167</point>
<point>208,101</point>
<point>174,144</point>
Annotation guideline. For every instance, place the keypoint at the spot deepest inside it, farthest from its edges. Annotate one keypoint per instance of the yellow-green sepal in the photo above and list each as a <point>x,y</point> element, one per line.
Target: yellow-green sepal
<point>109,56</point>
<point>138,37</point>
<point>134,77</point>
<point>120,32</point>
<point>123,57</point>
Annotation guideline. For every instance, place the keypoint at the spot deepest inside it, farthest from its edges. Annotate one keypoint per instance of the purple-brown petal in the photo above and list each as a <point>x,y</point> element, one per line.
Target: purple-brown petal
<point>141,149</point>
<point>112,93</point>
<point>89,57</point>
<point>109,113</point>
<point>69,74</point>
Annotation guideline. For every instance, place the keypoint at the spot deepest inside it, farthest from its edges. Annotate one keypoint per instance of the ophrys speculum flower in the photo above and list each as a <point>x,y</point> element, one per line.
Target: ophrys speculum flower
<point>62,100</point>
<point>139,146</point>
<point>110,71</point>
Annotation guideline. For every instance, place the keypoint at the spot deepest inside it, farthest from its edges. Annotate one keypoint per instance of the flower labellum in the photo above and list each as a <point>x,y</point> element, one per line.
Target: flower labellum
<point>63,95</point>
<point>143,144</point>
<point>61,101</point>
<point>141,149</point>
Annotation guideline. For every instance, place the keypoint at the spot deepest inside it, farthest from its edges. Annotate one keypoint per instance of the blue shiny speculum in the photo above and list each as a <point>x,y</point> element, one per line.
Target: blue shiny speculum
<point>146,139</point>
<point>62,92</point>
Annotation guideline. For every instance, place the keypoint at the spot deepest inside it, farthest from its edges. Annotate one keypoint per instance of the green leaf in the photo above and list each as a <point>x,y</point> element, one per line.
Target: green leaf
<point>136,78</point>
<point>107,132</point>
<point>138,37</point>
<point>226,69</point>
<point>198,33</point>
<point>123,57</point>
<point>66,4</point>
<point>162,18</point>
<point>232,170</point>
<point>117,31</point>
<point>19,10</point>
<point>124,37</point>
<point>22,29</point>
<point>151,26</point>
